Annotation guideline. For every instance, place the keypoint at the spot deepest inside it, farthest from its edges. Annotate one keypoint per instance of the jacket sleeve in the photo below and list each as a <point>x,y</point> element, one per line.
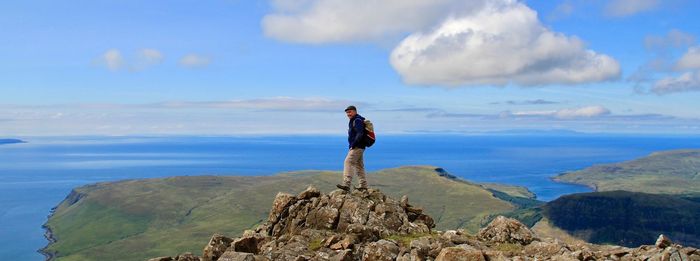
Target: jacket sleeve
<point>359,130</point>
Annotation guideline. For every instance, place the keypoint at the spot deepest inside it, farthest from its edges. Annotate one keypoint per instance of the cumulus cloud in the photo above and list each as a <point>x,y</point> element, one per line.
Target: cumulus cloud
<point>112,59</point>
<point>194,60</point>
<point>666,72</point>
<point>690,60</point>
<point>688,81</point>
<point>689,78</point>
<point>450,42</point>
<point>502,43</point>
<point>629,7</point>
<point>324,21</point>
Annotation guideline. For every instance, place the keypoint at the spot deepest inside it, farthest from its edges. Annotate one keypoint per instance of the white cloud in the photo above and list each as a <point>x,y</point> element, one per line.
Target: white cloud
<point>146,58</point>
<point>273,115</point>
<point>688,81</point>
<point>681,75</point>
<point>569,113</point>
<point>629,7</point>
<point>112,59</point>
<point>690,60</point>
<point>151,55</point>
<point>451,42</point>
<point>272,104</point>
<point>194,60</point>
<point>583,112</point>
<point>324,21</point>
<point>673,39</point>
<point>502,43</point>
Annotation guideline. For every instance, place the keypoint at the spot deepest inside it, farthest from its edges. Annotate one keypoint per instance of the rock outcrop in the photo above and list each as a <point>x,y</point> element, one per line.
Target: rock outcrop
<point>368,225</point>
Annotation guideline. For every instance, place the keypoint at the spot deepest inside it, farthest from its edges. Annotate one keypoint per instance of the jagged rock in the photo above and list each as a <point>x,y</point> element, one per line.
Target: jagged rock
<point>663,241</point>
<point>247,244</point>
<point>236,256</point>
<point>404,201</point>
<point>279,211</point>
<point>506,230</point>
<point>187,257</point>
<point>543,249</point>
<point>345,243</point>
<point>694,257</point>
<point>216,247</point>
<point>459,253</point>
<point>382,250</point>
<point>310,192</point>
<point>342,256</point>
<point>494,255</point>
<point>345,226</point>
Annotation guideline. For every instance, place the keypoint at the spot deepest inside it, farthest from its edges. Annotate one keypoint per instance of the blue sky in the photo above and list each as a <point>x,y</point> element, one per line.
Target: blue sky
<point>291,66</point>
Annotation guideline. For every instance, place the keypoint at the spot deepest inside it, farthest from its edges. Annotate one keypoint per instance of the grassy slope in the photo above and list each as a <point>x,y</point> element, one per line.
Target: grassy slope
<point>515,191</point>
<point>132,220</point>
<point>668,172</point>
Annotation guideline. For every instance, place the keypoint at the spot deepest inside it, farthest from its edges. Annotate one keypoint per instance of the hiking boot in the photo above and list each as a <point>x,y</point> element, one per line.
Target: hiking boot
<point>343,187</point>
<point>363,189</point>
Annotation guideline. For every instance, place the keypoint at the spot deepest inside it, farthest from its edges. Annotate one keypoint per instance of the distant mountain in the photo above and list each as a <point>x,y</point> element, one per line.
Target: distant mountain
<point>10,141</point>
<point>136,219</point>
<point>667,172</point>
<point>626,218</point>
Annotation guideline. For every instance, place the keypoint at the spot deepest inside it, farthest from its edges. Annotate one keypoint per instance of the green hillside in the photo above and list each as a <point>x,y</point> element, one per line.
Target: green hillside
<point>626,218</point>
<point>668,172</point>
<point>135,219</point>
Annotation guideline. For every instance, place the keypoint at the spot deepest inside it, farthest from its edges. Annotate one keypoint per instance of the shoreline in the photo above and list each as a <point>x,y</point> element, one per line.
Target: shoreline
<point>594,187</point>
<point>48,234</point>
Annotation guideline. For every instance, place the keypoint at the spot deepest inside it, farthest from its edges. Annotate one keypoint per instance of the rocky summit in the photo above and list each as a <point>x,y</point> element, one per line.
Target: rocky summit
<point>368,225</point>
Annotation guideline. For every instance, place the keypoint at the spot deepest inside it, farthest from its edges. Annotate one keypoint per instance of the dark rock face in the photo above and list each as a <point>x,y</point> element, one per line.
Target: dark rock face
<point>368,225</point>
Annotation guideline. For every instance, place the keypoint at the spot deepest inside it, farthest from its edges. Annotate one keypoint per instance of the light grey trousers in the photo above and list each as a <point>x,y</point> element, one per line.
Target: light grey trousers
<point>354,165</point>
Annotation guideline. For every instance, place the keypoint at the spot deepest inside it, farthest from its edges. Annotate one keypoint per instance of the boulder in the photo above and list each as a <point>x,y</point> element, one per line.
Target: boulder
<point>663,241</point>
<point>459,253</point>
<point>310,192</point>
<point>187,257</point>
<point>506,230</point>
<point>216,247</point>
<point>382,250</point>
<point>236,256</point>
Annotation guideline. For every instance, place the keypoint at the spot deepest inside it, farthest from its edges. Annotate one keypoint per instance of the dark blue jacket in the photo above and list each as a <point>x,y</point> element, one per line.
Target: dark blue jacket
<point>356,132</point>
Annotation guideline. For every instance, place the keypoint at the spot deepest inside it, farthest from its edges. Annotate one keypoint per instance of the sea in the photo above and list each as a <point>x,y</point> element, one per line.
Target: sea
<point>35,176</point>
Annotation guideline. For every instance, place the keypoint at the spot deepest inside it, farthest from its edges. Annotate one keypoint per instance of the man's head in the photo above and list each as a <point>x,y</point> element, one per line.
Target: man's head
<point>351,111</point>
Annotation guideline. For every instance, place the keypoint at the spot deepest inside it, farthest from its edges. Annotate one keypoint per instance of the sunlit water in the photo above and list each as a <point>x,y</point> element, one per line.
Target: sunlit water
<point>36,176</point>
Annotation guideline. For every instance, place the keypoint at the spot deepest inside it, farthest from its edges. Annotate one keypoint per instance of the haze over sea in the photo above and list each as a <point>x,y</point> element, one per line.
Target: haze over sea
<point>36,176</point>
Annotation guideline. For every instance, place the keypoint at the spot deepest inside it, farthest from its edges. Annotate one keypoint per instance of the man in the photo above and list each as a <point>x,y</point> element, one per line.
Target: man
<point>353,161</point>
